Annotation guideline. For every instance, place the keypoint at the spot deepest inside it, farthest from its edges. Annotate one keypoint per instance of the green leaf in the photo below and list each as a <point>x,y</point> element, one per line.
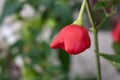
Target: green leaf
<point>10,7</point>
<point>65,60</point>
<point>100,5</point>
<point>113,59</point>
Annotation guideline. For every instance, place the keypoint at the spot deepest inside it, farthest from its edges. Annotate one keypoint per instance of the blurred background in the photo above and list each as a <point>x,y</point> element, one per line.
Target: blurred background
<point>26,30</point>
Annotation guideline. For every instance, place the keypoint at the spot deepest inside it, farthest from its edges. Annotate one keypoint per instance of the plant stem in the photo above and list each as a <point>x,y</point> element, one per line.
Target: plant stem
<point>79,20</point>
<point>96,54</point>
<point>95,32</point>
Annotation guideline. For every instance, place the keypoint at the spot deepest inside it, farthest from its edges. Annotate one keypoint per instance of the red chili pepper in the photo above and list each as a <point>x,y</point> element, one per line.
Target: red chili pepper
<point>73,39</point>
<point>116,33</point>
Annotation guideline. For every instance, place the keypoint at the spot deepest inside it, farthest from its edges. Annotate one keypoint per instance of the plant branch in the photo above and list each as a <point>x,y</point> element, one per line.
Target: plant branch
<point>106,17</point>
<point>90,14</point>
<point>95,32</point>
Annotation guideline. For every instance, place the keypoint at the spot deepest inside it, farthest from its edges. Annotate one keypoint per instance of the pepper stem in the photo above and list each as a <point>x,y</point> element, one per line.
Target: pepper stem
<point>79,20</point>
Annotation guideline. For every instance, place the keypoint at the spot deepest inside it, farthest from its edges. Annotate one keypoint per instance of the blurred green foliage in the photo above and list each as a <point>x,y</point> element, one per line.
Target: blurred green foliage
<point>35,52</point>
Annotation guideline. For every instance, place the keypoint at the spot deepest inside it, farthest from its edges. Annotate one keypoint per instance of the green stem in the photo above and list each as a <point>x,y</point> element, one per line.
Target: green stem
<point>96,54</point>
<point>95,32</point>
<point>90,14</point>
<point>79,20</point>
